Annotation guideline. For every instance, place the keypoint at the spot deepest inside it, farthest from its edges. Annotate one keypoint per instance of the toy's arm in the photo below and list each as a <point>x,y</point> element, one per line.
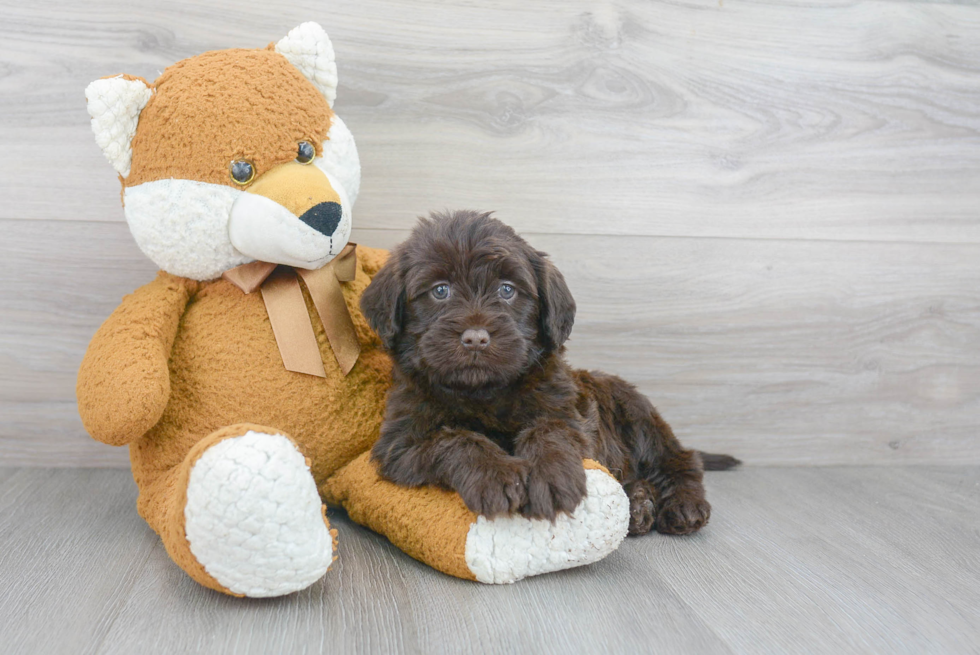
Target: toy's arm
<point>124,380</point>
<point>435,526</point>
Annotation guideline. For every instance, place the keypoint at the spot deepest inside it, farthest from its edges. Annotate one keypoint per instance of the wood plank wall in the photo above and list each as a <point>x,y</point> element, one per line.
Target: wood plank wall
<point>769,211</point>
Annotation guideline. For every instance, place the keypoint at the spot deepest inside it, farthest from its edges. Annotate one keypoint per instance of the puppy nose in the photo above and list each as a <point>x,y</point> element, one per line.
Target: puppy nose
<point>475,339</point>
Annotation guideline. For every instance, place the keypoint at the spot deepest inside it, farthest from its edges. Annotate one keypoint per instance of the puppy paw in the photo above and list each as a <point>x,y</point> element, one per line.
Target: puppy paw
<point>683,513</point>
<point>497,488</point>
<point>554,488</point>
<point>643,509</point>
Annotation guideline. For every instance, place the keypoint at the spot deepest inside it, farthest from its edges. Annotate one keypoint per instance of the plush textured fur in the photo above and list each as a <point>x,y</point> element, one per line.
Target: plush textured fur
<point>172,142</point>
<point>232,453</point>
<point>483,401</point>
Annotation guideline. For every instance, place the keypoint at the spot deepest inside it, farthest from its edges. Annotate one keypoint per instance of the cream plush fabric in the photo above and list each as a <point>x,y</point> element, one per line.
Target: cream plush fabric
<point>234,456</point>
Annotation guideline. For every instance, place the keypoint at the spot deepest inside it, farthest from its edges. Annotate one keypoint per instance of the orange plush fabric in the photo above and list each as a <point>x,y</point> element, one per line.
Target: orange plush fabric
<point>122,392</point>
<point>233,454</point>
<point>223,371</point>
<point>225,105</point>
<point>183,365</point>
<point>429,524</point>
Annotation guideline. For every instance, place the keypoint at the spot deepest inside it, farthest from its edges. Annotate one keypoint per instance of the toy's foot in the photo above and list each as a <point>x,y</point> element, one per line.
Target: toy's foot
<point>509,548</point>
<point>254,519</point>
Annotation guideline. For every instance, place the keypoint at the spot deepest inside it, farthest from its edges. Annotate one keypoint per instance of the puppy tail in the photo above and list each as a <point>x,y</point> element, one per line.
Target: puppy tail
<point>715,462</point>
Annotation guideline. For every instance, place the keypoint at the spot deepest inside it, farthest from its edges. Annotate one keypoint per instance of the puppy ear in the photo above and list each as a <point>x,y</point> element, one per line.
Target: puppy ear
<point>383,302</point>
<point>556,307</point>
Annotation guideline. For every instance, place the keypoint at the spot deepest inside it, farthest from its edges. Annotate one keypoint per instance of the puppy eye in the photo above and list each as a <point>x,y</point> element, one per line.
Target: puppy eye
<point>242,172</point>
<point>440,291</point>
<point>507,291</point>
<point>305,152</point>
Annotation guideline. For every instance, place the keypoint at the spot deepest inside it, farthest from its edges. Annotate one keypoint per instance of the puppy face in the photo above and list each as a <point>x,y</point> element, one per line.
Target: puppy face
<point>467,304</point>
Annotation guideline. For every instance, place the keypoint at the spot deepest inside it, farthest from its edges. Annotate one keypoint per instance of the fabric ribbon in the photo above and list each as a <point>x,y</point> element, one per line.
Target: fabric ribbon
<point>290,321</point>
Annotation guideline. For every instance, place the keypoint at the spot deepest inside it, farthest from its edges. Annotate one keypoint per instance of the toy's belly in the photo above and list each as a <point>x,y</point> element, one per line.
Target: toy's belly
<point>226,368</point>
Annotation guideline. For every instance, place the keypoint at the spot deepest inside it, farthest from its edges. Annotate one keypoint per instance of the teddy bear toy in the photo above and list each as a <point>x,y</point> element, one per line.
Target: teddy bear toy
<point>244,377</point>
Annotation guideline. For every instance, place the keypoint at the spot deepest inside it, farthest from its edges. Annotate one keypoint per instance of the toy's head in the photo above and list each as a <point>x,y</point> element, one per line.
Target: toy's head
<point>233,156</point>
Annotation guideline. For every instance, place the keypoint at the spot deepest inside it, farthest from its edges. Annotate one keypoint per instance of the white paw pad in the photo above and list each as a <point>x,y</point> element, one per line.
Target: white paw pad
<point>254,518</point>
<point>510,548</point>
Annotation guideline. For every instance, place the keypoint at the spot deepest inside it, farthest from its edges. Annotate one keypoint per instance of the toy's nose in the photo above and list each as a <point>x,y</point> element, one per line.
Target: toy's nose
<point>305,191</point>
<point>323,217</point>
<point>475,339</point>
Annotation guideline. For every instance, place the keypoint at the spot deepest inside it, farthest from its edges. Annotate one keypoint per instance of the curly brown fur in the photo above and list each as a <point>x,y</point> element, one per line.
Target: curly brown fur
<point>483,401</point>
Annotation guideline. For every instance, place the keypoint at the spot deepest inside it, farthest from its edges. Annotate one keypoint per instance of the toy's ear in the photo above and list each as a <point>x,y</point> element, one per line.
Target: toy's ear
<point>308,48</point>
<point>115,103</point>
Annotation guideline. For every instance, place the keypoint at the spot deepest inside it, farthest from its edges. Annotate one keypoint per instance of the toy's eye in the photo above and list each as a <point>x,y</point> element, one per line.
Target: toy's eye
<point>440,291</point>
<point>305,152</point>
<point>507,291</point>
<point>242,172</point>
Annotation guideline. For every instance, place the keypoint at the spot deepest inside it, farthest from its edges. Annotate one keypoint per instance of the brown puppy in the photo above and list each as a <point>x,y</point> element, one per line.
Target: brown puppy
<point>483,401</point>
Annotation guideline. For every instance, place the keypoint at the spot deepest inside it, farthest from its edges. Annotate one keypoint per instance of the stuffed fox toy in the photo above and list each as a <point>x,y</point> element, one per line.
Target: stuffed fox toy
<point>244,378</point>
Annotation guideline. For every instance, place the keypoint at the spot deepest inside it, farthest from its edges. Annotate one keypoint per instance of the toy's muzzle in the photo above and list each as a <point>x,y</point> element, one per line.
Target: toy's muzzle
<point>294,214</point>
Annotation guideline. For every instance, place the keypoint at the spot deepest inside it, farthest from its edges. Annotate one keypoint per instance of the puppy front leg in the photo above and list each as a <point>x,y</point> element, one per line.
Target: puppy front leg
<point>556,480</point>
<point>489,481</point>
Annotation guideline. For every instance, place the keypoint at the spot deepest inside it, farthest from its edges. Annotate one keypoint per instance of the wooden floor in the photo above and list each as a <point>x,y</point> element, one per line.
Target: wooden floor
<point>767,211</point>
<point>795,560</point>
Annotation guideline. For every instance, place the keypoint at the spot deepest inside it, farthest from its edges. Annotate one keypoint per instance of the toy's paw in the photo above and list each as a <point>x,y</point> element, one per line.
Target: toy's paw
<point>683,513</point>
<point>253,516</point>
<point>510,548</point>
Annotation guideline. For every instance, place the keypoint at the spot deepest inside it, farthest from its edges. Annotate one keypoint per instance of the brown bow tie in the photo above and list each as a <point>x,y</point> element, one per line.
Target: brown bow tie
<point>287,310</point>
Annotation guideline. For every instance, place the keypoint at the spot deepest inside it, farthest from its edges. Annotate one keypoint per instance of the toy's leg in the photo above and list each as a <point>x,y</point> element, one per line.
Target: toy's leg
<point>241,514</point>
<point>435,527</point>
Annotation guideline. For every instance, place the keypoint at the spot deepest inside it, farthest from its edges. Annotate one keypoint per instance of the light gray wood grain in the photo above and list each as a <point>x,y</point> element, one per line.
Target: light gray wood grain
<point>832,560</point>
<point>783,127</point>
<point>61,279</point>
<point>73,546</point>
<point>802,352</point>
<point>890,548</point>
<point>379,600</point>
<point>832,120</point>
